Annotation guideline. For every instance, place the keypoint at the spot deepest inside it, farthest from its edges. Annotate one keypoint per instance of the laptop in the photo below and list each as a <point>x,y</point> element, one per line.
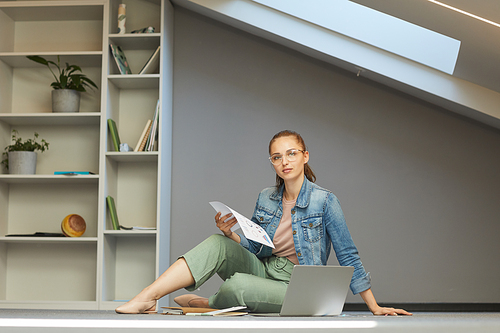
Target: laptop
<point>316,291</point>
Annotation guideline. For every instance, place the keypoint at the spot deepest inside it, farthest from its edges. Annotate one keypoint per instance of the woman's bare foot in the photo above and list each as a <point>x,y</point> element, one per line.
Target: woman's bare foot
<point>135,307</point>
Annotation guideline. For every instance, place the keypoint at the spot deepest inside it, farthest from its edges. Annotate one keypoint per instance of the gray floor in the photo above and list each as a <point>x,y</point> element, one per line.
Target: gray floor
<point>107,321</point>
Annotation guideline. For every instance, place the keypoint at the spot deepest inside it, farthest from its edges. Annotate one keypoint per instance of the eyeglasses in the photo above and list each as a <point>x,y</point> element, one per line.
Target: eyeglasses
<point>291,156</point>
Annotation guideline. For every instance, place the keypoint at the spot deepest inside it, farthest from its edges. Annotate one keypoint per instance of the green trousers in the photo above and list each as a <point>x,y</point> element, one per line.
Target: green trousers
<point>258,284</point>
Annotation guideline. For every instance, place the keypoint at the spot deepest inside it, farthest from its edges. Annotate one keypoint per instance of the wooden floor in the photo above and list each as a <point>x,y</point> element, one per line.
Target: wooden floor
<point>20,321</point>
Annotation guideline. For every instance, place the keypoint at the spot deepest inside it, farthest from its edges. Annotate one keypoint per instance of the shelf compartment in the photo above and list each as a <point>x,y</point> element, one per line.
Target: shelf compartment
<point>48,204</point>
<point>52,11</point>
<point>18,83</point>
<point>150,15</point>
<point>137,48</point>
<point>133,185</point>
<point>71,148</point>
<point>78,118</point>
<point>66,26</point>
<point>131,109</point>
<point>124,257</point>
<point>48,271</point>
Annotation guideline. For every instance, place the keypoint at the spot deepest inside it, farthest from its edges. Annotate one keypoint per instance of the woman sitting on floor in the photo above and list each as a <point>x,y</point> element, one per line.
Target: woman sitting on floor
<point>303,221</point>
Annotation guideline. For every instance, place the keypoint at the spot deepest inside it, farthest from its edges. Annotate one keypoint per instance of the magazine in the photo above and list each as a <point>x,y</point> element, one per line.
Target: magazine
<point>250,229</point>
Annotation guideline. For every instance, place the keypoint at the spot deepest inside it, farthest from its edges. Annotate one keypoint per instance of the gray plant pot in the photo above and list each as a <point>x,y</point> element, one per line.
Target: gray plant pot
<point>22,162</point>
<point>65,100</point>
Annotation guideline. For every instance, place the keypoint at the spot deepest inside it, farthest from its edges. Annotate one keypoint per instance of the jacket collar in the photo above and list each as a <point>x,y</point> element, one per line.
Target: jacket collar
<point>304,195</point>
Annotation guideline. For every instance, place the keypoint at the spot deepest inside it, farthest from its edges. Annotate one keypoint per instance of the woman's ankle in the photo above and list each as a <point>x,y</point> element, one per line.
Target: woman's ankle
<point>146,295</point>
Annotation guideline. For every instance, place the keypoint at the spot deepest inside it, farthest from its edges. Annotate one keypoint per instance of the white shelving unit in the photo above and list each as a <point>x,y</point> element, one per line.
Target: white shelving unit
<point>104,266</point>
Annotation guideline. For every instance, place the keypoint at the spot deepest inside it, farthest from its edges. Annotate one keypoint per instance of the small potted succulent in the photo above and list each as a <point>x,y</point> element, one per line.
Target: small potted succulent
<point>68,85</point>
<point>20,157</point>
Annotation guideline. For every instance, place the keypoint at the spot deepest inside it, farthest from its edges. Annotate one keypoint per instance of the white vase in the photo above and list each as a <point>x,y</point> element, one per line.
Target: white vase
<point>65,100</point>
<point>22,162</point>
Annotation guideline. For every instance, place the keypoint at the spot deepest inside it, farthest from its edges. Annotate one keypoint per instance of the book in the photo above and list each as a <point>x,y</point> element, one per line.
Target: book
<point>151,65</point>
<point>189,311</point>
<point>120,59</point>
<point>154,129</point>
<point>114,134</point>
<point>73,173</point>
<point>38,234</point>
<point>144,136</point>
<point>148,30</point>
<point>137,228</point>
<point>112,212</point>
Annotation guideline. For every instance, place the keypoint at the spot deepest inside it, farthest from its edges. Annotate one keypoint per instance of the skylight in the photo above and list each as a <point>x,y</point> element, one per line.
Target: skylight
<point>375,28</point>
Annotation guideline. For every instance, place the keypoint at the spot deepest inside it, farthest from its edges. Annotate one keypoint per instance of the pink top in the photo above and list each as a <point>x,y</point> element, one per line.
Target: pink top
<point>283,239</point>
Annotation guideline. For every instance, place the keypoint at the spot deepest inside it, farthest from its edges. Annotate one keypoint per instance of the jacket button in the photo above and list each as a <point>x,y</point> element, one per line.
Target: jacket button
<point>294,232</point>
<point>299,254</point>
<point>310,224</point>
<point>261,218</point>
<point>293,211</point>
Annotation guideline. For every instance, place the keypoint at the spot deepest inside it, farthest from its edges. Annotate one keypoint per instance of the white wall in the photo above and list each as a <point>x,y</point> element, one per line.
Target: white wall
<point>419,186</point>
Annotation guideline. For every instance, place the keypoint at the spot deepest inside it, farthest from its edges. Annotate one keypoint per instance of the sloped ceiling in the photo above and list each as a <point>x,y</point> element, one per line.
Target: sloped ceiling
<point>473,89</point>
<point>479,58</point>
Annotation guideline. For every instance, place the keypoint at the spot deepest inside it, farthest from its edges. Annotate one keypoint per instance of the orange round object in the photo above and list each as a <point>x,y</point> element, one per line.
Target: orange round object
<point>73,225</point>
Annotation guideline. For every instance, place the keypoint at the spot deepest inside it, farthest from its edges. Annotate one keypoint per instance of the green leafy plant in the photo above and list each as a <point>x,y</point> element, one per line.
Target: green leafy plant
<point>67,78</point>
<point>20,145</point>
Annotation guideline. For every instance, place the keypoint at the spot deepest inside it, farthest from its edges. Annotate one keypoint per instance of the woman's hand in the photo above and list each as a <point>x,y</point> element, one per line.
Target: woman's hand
<point>380,311</point>
<point>225,226</point>
<point>377,310</point>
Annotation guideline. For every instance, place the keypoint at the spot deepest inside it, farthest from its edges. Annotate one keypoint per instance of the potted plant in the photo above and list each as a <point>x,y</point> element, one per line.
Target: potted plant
<point>20,157</point>
<point>67,86</point>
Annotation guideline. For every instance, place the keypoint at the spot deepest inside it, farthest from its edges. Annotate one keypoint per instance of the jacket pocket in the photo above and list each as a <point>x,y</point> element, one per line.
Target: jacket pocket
<point>263,217</point>
<point>313,229</point>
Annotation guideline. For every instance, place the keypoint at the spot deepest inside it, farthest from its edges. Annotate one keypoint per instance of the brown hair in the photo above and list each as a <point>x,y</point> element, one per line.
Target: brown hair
<point>307,169</point>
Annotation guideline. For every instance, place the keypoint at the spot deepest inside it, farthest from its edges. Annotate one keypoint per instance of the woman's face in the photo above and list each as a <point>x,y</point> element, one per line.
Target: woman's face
<point>289,171</point>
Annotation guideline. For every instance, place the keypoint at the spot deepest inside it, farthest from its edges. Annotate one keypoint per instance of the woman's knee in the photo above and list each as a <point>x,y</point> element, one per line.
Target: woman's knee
<point>219,241</point>
<point>216,238</point>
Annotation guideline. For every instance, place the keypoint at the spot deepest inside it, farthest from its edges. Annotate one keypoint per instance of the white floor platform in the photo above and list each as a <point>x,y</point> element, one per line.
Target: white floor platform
<point>20,321</point>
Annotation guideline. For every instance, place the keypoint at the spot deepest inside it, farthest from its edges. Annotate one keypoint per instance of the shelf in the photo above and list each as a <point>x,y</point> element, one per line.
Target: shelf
<point>105,265</point>
<point>136,41</point>
<point>59,305</point>
<point>78,118</point>
<point>52,11</point>
<point>48,179</point>
<point>83,58</point>
<point>130,233</point>
<point>32,240</point>
<point>135,81</point>
<point>151,156</point>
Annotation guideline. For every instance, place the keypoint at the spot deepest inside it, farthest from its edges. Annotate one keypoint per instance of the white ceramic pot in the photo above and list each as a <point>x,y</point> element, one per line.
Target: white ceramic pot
<point>22,162</point>
<point>65,100</point>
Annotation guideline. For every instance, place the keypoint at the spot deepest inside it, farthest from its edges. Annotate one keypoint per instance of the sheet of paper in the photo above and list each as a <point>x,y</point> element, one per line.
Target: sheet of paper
<point>250,229</point>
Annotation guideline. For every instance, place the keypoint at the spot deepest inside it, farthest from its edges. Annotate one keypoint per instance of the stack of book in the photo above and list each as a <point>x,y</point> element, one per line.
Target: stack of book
<point>149,135</point>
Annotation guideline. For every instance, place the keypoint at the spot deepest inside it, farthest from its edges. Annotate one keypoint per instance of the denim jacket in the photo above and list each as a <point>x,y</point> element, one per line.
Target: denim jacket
<point>317,223</point>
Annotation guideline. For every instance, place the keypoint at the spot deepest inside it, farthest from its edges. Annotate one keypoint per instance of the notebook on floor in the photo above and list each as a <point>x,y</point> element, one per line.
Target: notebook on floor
<point>316,291</point>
